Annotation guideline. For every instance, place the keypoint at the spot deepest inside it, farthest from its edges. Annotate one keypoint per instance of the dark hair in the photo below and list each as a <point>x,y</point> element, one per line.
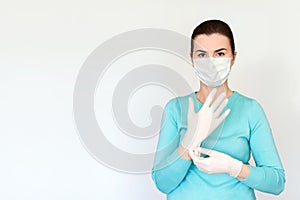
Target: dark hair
<point>213,26</point>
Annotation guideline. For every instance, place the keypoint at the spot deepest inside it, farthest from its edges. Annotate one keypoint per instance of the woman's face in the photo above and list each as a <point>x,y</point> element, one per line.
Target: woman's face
<point>214,45</point>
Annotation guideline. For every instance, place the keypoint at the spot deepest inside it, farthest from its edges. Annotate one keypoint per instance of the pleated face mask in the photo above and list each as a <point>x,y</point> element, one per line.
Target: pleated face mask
<point>212,72</point>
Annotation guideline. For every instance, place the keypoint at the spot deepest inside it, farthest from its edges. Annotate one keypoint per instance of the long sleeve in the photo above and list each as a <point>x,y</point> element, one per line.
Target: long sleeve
<point>268,174</point>
<point>169,168</point>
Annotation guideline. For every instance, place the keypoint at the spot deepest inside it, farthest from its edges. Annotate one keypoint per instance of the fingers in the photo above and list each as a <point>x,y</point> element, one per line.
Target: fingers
<point>203,163</point>
<point>200,153</point>
<point>217,121</point>
<point>192,154</point>
<point>220,108</point>
<point>218,101</point>
<point>191,110</point>
<point>223,116</point>
<point>204,151</point>
<point>209,98</point>
<point>195,154</point>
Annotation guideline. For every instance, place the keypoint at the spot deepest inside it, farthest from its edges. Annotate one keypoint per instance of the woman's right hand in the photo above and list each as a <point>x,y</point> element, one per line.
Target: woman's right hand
<point>204,122</point>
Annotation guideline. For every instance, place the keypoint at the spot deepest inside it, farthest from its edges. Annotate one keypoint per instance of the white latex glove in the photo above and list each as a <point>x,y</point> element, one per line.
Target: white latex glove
<point>201,124</point>
<point>215,162</point>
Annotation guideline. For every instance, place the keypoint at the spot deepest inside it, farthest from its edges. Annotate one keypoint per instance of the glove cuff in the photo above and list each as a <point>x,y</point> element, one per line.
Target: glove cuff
<point>236,168</point>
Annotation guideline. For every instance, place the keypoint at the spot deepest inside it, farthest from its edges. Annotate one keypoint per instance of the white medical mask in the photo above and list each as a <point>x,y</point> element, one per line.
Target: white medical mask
<point>212,71</point>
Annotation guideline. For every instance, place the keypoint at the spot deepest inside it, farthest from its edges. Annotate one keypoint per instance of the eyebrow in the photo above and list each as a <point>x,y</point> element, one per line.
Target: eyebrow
<point>221,49</point>
<point>199,50</point>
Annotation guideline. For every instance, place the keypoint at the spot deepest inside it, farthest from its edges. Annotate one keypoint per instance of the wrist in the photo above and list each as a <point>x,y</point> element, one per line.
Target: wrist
<point>244,172</point>
<point>183,152</point>
<point>236,168</point>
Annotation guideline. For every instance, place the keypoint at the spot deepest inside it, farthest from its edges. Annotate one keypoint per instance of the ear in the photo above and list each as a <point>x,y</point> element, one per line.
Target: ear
<point>233,59</point>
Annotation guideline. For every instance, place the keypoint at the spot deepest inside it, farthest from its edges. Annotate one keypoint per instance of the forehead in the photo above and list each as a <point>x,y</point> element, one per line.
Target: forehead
<point>211,42</point>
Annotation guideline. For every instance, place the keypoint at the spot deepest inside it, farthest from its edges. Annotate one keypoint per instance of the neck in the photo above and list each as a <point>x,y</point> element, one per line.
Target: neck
<point>204,91</point>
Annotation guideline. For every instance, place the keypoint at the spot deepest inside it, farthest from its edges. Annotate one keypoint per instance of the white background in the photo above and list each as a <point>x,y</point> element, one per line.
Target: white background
<point>44,44</point>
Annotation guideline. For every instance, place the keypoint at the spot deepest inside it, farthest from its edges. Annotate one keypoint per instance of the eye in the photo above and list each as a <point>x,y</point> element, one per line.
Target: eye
<point>201,55</point>
<point>220,54</point>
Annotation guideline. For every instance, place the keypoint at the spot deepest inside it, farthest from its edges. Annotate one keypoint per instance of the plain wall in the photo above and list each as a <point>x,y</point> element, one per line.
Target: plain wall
<point>43,46</point>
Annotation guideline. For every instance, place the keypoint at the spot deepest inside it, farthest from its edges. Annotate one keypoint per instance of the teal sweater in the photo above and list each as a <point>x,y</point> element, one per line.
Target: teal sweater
<point>245,130</point>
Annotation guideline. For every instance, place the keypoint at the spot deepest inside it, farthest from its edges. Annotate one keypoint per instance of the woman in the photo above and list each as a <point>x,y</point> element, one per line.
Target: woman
<point>219,168</point>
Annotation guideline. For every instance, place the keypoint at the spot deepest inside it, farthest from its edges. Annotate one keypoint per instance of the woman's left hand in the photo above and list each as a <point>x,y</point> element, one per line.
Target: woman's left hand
<point>214,162</point>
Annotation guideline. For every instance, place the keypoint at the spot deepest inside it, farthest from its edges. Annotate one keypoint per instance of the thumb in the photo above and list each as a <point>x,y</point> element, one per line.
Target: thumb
<point>206,151</point>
